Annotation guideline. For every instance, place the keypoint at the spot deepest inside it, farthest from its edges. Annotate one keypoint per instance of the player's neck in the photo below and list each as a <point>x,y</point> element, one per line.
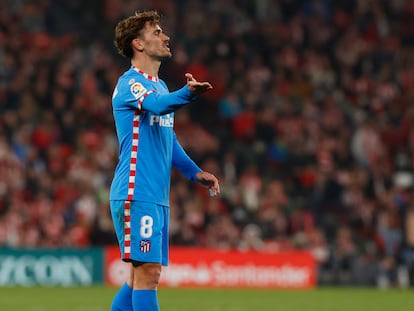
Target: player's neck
<point>150,67</point>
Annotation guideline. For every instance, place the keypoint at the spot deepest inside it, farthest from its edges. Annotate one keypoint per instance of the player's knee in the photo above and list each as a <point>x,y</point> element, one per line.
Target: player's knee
<point>154,273</point>
<point>147,276</point>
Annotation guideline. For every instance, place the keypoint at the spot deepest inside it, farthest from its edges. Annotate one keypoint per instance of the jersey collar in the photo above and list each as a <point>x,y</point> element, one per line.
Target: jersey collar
<point>149,77</point>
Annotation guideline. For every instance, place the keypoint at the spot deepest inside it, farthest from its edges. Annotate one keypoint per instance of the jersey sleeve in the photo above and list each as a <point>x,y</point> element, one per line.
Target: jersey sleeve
<point>182,162</point>
<point>166,103</point>
<point>133,93</point>
<point>130,93</point>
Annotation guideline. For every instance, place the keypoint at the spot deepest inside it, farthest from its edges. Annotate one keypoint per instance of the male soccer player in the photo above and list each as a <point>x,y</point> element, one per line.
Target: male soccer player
<point>143,111</point>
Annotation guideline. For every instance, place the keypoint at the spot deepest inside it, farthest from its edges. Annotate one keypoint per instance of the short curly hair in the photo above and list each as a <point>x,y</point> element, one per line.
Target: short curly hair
<point>130,28</point>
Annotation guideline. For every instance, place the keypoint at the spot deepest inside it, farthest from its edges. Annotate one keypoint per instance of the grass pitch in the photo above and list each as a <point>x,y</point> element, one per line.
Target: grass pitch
<point>321,299</point>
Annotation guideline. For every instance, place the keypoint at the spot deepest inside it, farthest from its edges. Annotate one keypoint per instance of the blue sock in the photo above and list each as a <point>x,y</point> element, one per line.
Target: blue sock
<point>145,300</point>
<point>123,299</point>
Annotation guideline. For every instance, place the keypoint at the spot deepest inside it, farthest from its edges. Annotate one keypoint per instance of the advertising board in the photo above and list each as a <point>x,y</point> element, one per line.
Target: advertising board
<point>199,267</point>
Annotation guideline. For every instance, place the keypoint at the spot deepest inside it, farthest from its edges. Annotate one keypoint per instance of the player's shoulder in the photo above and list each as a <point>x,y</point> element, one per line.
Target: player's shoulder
<point>134,83</point>
<point>130,76</point>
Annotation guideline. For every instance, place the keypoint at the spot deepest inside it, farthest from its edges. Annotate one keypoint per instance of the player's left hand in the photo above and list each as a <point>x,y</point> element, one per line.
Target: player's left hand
<point>196,87</point>
<point>210,181</point>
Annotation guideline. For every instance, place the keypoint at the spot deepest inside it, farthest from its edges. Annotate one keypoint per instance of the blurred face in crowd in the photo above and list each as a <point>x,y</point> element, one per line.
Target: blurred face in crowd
<point>153,42</point>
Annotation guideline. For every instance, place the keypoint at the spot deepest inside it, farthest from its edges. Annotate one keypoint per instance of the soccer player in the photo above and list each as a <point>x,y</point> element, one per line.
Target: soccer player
<point>143,110</point>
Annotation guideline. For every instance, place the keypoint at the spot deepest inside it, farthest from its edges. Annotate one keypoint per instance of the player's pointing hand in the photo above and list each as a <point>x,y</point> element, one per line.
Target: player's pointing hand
<point>196,87</point>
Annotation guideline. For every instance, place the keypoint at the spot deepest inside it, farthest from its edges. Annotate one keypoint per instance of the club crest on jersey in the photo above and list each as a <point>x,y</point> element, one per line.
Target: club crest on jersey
<point>145,246</point>
<point>137,89</point>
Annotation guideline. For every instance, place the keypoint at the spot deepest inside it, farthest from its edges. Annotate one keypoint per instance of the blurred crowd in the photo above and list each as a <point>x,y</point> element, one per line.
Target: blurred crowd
<point>309,127</point>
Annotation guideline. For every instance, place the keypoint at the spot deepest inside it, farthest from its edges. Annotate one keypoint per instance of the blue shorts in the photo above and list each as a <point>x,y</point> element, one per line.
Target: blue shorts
<point>142,230</point>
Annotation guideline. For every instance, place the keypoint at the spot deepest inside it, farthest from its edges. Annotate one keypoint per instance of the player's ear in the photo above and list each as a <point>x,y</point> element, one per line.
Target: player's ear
<point>137,44</point>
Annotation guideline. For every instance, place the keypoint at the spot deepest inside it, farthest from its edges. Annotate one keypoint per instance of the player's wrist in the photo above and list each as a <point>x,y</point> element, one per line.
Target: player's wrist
<point>190,92</point>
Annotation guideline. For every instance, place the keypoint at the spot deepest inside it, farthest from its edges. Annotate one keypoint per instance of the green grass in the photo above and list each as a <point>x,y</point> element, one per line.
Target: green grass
<point>321,299</point>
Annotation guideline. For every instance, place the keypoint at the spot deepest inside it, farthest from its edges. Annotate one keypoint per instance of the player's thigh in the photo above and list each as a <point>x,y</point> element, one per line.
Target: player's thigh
<point>147,231</point>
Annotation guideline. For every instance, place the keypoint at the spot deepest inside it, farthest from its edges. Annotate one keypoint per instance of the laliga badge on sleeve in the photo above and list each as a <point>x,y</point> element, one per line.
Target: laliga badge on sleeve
<point>137,90</point>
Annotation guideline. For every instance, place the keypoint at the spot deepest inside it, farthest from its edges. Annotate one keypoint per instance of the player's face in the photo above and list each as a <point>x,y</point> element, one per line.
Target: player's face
<point>156,44</point>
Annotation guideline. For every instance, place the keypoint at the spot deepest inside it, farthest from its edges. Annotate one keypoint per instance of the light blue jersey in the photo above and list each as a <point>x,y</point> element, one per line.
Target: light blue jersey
<point>143,110</point>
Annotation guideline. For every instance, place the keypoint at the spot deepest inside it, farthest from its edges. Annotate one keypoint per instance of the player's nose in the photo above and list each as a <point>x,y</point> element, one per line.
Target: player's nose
<point>165,37</point>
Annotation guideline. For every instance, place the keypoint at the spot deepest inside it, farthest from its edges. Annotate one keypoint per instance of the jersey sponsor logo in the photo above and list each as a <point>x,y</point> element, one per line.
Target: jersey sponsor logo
<point>165,120</point>
<point>145,246</point>
<point>137,89</point>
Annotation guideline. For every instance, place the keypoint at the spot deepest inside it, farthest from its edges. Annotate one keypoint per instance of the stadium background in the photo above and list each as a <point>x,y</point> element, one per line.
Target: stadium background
<point>309,128</point>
